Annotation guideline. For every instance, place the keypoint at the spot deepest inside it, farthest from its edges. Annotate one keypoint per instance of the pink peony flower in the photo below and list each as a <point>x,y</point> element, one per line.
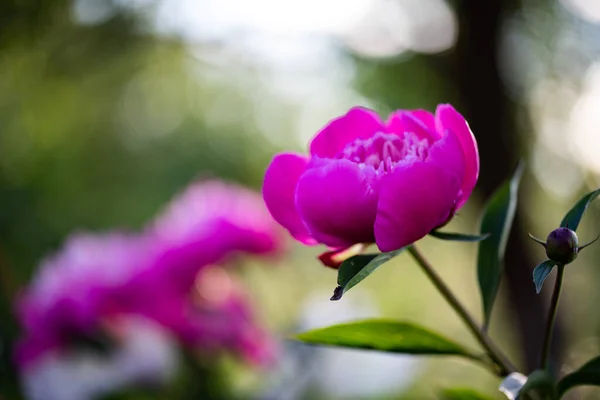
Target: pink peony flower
<point>215,315</point>
<point>210,222</point>
<point>234,213</point>
<point>224,313</point>
<point>72,290</point>
<point>369,181</point>
<point>96,279</point>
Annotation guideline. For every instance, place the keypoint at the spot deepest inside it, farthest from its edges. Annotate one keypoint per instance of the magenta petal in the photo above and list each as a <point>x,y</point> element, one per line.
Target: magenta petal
<point>419,122</point>
<point>448,154</point>
<point>413,200</point>
<point>426,118</point>
<point>447,118</point>
<point>338,202</point>
<point>358,123</point>
<point>279,193</point>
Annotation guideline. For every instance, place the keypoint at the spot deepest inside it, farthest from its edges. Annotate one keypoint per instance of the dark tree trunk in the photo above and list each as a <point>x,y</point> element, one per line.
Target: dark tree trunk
<point>492,117</point>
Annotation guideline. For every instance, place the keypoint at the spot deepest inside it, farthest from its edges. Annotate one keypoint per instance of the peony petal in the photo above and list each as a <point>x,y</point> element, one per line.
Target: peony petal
<point>338,202</point>
<point>358,123</point>
<point>32,348</point>
<point>222,209</point>
<point>279,192</point>
<point>419,122</point>
<point>427,118</point>
<point>447,153</point>
<point>447,118</point>
<point>413,200</point>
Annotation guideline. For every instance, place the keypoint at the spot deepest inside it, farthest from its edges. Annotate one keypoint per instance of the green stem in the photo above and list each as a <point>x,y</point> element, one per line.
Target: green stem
<point>552,317</point>
<point>506,367</point>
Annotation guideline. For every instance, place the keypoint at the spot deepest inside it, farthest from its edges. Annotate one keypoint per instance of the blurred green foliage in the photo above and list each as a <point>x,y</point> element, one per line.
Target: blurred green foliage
<point>77,108</point>
<point>78,105</point>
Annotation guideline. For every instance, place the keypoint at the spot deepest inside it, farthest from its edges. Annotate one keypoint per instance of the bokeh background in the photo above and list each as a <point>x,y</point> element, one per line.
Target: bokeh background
<point>110,107</point>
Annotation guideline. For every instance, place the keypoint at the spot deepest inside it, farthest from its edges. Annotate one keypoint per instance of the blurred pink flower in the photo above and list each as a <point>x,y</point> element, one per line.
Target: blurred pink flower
<point>213,316</point>
<point>210,222</point>
<point>224,317</point>
<point>369,181</point>
<point>95,279</point>
<point>72,290</point>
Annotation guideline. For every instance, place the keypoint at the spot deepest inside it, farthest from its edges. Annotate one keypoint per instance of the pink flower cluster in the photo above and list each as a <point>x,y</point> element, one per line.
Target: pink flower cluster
<point>171,274</point>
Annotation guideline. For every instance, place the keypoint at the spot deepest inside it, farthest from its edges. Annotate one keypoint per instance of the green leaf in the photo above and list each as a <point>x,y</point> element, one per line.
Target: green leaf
<point>588,374</point>
<point>355,269</point>
<point>539,380</point>
<point>497,220</point>
<point>459,237</point>
<point>573,217</point>
<point>462,394</point>
<point>541,272</point>
<point>384,335</point>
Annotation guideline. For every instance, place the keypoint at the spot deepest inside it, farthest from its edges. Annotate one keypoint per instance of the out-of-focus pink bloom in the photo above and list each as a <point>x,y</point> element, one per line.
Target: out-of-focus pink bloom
<point>224,316</point>
<point>72,290</point>
<point>210,222</point>
<point>369,181</point>
<point>213,316</point>
<point>221,211</point>
<point>97,278</point>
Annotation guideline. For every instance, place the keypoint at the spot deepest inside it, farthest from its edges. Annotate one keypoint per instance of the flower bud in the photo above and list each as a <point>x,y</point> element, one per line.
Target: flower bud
<point>562,245</point>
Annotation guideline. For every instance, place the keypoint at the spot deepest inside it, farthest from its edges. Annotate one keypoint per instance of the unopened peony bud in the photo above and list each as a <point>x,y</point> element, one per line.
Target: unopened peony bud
<point>562,245</point>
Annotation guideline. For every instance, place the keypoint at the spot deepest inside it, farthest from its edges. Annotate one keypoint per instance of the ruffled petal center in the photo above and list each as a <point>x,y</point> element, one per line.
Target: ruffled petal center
<point>383,151</point>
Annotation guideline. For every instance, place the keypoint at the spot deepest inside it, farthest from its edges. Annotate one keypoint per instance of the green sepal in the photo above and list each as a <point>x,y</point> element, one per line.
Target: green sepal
<point>355,269</point>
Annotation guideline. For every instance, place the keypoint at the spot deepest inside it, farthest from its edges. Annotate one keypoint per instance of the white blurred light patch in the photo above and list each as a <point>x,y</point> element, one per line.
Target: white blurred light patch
<point>588,10</point>
<point>281,52</point>
<point>558,175</point>
<point>556,162</point>
<point>379,28</point>
<point>512,385</point>
<point>584,125</point>
<point>550,106</point>
<point>392,27</point>
<point>217,19</point>
<point>310,86</point>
